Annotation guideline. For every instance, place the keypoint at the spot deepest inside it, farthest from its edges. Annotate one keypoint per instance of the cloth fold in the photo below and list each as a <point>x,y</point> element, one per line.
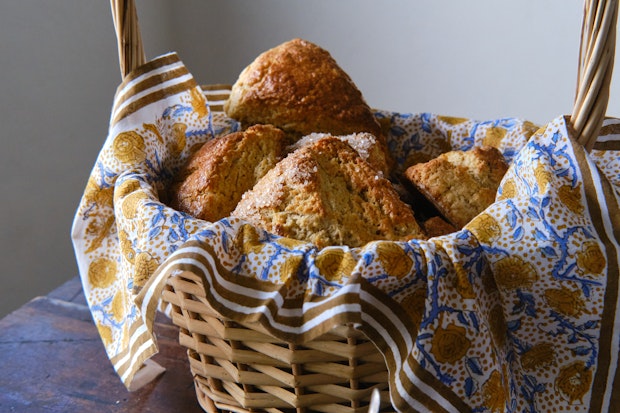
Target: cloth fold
<point>515,312</point>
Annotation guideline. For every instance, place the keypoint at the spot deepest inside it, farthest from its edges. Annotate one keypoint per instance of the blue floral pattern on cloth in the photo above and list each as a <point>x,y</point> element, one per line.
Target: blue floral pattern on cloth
<point>513,313</point>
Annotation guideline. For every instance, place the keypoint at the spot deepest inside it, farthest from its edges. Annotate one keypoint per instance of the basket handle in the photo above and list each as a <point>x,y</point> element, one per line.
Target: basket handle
<point>130,49</point>
<point>596,60</point>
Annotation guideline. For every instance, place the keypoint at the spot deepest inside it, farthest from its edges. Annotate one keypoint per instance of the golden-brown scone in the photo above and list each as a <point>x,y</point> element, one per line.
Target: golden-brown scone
<point>365,144</point>
<point>215,177</point>
<point>326,194</point>
<point>437,226</point>
<point>298,87</point>
<point>461,184</point>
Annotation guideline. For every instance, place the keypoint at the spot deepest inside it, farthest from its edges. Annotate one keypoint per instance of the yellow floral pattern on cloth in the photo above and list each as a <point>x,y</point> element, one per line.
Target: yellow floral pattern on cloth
<point>117,229</point>
<point>504,315</point>
<point>450,344</point>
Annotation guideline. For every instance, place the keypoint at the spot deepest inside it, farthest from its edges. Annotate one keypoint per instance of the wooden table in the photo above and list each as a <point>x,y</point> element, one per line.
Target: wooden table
<point>52,360</point>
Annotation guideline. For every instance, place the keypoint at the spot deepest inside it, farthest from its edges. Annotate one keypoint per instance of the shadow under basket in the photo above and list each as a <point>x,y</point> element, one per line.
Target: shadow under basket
<point>243,368</point>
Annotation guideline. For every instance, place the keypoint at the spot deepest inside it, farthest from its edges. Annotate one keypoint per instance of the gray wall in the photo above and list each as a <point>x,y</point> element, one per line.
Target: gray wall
<point>58,60</point>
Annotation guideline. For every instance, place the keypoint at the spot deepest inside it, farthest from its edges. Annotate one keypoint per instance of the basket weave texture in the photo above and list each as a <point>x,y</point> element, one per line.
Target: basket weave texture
<point>242,367</point>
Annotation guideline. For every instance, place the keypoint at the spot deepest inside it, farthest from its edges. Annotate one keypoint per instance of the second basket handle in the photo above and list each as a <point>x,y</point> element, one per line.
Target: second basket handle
<point>595,67</point>
<point>596,62</point>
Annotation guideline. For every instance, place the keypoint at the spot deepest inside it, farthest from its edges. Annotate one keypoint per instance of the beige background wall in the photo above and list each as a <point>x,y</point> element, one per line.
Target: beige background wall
<point>59,70</point>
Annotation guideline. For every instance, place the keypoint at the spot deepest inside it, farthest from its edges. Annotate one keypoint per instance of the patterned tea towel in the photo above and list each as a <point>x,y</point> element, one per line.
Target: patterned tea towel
<point>516,312</point>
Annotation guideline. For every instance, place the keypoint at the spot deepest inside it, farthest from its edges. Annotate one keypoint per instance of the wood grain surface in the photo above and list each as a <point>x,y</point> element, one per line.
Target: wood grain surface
<point>52,360</point>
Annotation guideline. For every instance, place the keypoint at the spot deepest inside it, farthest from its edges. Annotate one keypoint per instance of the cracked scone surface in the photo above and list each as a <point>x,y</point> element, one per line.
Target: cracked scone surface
<point>461,184</point>
<point>213,180</point>
<point>298,87</point>
<point>326,194</point>
<point>365,144</point>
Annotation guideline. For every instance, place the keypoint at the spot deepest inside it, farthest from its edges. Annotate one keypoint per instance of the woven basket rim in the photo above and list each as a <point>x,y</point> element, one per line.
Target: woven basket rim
<point>242,367</point>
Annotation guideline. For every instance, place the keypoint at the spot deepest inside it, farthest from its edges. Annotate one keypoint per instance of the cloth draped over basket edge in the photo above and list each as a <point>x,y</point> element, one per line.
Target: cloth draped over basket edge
<point>517,310</point>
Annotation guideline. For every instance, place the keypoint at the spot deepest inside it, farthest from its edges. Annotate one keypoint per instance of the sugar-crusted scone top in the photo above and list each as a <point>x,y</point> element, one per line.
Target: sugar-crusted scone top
<point>326,194</point>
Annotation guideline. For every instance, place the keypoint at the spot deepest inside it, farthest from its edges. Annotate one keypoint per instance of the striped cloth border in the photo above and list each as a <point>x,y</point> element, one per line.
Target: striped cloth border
<point>609,136</point>
<point>605,214</point>
<point>245,300</point>
<point>413,388</point>
<point>216,95</point>
<point>153,82</point>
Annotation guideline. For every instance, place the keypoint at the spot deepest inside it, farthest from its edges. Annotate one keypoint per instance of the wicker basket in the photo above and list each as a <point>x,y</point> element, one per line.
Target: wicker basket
<point>243,368</point>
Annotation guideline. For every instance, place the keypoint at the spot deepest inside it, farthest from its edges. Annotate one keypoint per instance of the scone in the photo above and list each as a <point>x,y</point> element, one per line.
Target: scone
<point>365,144</point>
<point>461,184</point>
<point>437,226</point>
<point>298,87</point>
<point>213,180</point>
<point>326,194</point>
